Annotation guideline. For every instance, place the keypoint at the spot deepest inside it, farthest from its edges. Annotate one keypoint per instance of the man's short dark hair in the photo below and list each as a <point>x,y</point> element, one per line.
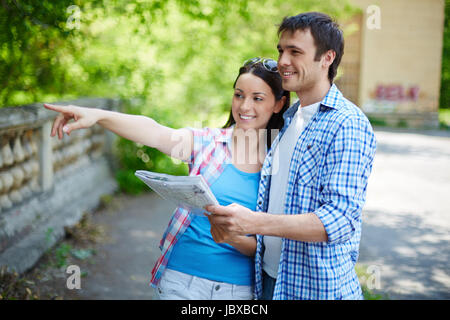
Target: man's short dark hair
<point>325,31</point>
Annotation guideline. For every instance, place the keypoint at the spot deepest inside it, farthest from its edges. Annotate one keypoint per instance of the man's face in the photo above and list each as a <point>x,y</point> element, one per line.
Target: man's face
<point>298,69</point>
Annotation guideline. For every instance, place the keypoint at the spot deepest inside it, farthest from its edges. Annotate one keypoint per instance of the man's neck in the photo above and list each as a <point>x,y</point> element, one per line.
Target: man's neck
<point>314,94</point>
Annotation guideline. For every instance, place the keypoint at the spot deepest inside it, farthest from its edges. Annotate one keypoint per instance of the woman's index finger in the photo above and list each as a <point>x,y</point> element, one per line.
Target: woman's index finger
<point>54,107</point>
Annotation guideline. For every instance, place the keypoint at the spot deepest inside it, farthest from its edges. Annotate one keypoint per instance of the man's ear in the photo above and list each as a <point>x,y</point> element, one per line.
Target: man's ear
<point>279,104</point>
<point>328,58</point>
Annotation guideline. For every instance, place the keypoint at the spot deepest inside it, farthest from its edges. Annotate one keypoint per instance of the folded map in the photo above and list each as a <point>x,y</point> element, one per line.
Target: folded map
<point>189,192</point>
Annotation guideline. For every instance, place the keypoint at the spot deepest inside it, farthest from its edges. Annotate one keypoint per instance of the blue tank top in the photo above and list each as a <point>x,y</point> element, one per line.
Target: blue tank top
<point>196,253</point>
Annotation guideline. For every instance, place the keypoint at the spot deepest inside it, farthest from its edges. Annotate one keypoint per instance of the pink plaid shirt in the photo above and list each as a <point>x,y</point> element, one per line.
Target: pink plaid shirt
<point>208,158</point>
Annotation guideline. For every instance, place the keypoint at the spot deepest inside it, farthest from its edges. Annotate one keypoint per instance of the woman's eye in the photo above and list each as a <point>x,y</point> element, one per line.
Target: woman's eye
<point>258,99</point>
<point>237,95</point>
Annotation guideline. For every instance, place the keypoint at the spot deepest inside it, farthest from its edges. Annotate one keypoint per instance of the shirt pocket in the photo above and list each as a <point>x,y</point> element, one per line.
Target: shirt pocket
<point>309,164</point>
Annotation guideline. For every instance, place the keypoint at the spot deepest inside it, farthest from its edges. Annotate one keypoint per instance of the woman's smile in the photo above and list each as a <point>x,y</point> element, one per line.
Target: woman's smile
<point>246,117</point>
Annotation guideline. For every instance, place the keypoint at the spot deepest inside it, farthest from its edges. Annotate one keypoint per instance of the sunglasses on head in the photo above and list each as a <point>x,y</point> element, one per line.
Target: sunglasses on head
<point>269,64</point>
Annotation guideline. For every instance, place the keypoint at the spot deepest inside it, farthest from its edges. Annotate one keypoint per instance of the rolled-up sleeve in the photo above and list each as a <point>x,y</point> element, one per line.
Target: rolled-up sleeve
<point>348,164</point>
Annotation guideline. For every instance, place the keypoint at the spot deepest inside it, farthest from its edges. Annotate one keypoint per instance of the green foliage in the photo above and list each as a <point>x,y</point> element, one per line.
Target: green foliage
<point>172,60</point>
<point>363,276</point>
<point>377,122</point>
<point>445,77</point>
<point>444,119</point>
<point>61,254</point>
<point>29,32</point>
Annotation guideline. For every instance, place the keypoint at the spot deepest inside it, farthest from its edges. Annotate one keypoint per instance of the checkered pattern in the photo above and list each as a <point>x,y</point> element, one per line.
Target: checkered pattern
<point>328,175</point>
<point>210,155</point>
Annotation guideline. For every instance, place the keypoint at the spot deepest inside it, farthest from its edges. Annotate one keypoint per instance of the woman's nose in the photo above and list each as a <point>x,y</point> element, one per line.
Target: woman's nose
<point>246,105</point>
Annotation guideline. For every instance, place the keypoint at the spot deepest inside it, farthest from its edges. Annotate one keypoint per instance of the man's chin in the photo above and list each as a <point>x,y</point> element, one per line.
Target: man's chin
<point>289,86</point>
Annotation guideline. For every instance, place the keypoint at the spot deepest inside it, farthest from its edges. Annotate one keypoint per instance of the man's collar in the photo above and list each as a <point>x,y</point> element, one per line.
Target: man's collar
<point>331,100</point>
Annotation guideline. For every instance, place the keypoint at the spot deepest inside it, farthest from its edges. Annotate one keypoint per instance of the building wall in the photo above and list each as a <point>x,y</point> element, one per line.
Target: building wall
<point>348,77</point>
<point>406,51</point>
<point>400,62</point>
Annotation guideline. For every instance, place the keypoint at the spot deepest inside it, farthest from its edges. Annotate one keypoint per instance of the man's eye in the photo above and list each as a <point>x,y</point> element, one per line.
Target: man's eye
<point>258,99</point>
<point>237,95</point>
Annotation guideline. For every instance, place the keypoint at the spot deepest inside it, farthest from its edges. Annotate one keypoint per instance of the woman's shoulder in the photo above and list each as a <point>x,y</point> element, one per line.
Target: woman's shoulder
<point>213,133</point>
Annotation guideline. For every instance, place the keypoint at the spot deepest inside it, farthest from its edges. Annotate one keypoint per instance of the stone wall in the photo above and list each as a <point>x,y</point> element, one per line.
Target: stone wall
<point>47,184</point>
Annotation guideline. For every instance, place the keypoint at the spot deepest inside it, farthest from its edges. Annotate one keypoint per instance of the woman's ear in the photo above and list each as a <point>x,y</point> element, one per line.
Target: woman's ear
<point>279,104</point>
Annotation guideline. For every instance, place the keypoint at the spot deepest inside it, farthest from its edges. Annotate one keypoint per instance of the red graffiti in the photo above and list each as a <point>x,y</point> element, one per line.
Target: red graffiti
<point>396,93</point>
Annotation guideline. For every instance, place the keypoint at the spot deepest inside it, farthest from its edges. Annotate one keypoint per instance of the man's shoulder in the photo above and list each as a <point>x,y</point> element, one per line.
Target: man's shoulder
<point>344,111</point>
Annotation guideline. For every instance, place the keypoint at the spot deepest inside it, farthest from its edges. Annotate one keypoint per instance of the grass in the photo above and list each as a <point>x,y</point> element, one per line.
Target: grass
<point>46,280</point>
<point>368,279</point>
<point>444,119</point>
<point>377,122</point>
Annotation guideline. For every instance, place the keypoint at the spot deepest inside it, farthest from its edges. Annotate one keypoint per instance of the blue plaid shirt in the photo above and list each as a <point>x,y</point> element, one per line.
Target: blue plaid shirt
<point>328,175</point>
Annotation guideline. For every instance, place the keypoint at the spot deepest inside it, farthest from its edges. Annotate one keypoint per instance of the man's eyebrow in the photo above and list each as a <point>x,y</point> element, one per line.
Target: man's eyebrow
<point>291,46</point>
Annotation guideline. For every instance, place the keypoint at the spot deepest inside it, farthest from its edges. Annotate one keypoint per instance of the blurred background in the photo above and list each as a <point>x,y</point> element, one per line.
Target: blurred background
<point>176,61</point>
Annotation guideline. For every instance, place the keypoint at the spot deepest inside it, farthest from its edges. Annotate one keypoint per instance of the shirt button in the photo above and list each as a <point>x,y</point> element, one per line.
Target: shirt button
<point>217,287</point>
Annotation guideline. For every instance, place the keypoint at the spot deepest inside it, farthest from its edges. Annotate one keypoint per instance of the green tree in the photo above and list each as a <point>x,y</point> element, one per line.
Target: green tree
<point>173,60</point>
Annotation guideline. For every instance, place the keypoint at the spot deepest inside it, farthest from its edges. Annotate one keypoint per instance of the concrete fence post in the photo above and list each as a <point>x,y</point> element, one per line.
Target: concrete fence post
<point>46,157</point>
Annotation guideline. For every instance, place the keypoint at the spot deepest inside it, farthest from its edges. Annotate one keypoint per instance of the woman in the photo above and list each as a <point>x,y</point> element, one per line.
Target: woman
<point>192,264</point>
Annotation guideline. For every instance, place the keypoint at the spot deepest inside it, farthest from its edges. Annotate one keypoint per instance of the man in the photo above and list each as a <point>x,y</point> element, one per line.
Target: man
<point>314,178</point>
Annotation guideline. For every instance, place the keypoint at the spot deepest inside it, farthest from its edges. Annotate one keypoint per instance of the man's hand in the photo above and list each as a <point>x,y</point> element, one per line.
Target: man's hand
<point>218,233</point>
<point>244,244</point>
<point>233,219</point>
<point>237,220</point>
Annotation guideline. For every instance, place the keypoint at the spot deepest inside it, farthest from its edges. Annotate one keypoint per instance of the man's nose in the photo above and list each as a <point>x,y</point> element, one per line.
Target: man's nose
<point>283,60</point>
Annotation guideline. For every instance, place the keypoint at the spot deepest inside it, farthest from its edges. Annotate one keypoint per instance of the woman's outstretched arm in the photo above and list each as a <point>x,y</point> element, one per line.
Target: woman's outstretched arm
<point>177,143</point>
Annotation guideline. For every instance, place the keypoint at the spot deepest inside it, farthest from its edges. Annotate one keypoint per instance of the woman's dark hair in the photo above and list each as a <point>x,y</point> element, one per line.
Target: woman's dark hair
<point>273,80</point>
<point>326,33</point>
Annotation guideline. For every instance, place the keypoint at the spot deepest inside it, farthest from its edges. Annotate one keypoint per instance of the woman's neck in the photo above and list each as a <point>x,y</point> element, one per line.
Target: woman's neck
<point>248,148</point>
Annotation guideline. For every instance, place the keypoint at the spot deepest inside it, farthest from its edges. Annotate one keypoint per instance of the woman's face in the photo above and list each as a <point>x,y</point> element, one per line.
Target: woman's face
<point>253,102</point>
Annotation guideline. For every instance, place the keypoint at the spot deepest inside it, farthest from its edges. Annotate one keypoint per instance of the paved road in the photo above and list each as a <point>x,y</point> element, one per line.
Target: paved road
<point>406,220</point>
<point>122,265</point>
<point>405,239</point>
